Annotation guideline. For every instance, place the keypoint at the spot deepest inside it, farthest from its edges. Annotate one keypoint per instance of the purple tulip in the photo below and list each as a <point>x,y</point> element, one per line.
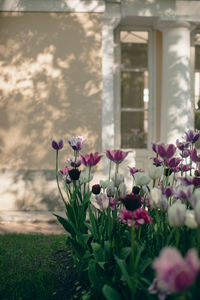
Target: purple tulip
<point>166,151</point>
<point>175,273</point>
<point>185,153</point>
<point>57,145</point>
<point>194,156</point>
<point>72,163</point>
<point>76,142</point>
<point>190,181</point>
<point>184,168</point>
<point>116,155</point>
<point>173,162</point>
<point>182,145</point>
<point>90,160</point>
<point>134,170</point>
<point>168,191</point>
<point>192,136</point>
<point>157,162</point>
<point>154,147</point>
<point>184,192</point>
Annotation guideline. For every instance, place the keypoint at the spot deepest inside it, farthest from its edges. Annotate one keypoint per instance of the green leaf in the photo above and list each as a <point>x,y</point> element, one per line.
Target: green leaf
<point>65,223</point>
<point>98,252</point>
<point>122,265</point>
<point>110,293</point>
<point>125,252</point>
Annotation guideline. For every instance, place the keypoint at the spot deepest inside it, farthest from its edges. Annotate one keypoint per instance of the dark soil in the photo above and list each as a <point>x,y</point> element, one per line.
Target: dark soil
<point>67,286</point>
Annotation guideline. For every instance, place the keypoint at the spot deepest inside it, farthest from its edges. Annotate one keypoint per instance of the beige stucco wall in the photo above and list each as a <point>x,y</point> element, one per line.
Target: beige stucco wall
<point>50,86</point>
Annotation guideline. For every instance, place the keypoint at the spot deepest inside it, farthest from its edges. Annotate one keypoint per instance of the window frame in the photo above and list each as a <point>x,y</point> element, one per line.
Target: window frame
<point>151,86</point>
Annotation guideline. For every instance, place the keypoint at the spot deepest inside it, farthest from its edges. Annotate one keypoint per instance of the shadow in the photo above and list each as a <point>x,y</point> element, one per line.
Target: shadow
<point>50,87</point>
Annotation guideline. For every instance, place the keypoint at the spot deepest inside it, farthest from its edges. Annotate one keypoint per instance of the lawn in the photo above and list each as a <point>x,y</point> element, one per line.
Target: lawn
<point>36,266</point>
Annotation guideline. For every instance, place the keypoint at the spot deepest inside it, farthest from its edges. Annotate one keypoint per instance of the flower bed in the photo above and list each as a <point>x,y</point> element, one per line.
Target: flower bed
<point>141,243</point>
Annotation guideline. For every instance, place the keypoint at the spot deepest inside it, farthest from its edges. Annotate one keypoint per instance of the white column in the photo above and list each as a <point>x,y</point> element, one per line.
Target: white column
<point>108,82</point>
<point>176,106</point>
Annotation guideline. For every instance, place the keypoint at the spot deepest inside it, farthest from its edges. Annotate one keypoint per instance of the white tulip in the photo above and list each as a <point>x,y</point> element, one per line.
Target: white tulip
<point>158,200</point>
<point>122,190</point>
<point>177,214</point>
<point>141,178</point>
<point>190,219</point>
<point>104,183</point>
<point>197,212</point>
<point>155,172</point>
<point>100,202</point>
<point>118,179</point>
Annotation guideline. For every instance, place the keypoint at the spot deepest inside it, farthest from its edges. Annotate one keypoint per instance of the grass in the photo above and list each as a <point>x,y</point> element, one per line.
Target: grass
<point>36,266</point>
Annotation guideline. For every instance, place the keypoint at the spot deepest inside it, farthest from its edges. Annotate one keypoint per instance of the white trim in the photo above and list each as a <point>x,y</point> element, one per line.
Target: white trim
<point>152,87</point>
<point>97,6</point>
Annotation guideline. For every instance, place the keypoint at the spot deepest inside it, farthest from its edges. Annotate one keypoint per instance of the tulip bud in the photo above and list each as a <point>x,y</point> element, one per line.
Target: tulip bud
<point>155,172</point>
<point>158,200</point>
<point>104,183</point>
<point>141,178</point>
<point>122,190</point>
<point>132,202</point>
<point>136,190</point>
<point>118,179</point>
<point>177,214</point>
<point>110,190</point>
<point>190,220</point>
<point>96,189</point>
<point>197,212</point>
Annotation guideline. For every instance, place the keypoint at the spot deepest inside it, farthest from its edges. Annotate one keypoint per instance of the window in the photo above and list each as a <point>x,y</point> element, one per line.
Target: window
<point>197,81</point>
<point>134,76</point>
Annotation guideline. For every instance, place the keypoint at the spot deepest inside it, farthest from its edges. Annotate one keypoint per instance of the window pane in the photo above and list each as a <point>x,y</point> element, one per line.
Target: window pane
<point>134,128</point>
<point>134,90</point>
<point>134,49</point>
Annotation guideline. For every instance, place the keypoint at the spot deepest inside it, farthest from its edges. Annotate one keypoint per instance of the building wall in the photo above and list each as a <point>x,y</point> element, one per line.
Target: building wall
<point>50,86</point>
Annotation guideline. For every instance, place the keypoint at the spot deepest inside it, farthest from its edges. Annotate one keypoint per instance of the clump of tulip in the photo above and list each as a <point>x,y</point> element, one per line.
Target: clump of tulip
<point>115,228</point>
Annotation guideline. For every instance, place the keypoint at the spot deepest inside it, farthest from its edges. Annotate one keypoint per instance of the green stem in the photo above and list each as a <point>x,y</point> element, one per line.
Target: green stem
<point>109,172</point>
<point>58,180</point>
<point>177,236</point>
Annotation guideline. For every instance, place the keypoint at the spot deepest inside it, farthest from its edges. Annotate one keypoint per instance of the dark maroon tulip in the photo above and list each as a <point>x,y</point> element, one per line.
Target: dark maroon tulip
<point>136,190</point>
<point>132,201</point>
<point>167,171</point>
<point>96,189</point>
<point>166,151</point>
<point>57,145</point>
<point>74,174</point>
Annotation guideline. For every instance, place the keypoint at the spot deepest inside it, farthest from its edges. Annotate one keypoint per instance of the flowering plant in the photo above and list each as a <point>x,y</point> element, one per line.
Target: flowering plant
<point>119,234</point>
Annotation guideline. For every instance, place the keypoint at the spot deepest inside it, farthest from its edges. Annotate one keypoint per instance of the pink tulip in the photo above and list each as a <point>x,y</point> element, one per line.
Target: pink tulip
<point>141,217</point>
<point>91,159</point>
<point>116,155</point>
<point>175,273</point>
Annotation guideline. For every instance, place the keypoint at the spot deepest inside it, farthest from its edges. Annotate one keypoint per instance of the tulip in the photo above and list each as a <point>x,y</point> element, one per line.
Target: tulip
<point>194,156</point>
<point>91,159</point>
<point>118,179</point>
<point>122,190</point>
<point>57,145</point>
<point>96,189</point>
<point>158,200</point>
<point>177,214</point>
<point>132,201</point>
<point>104,183</point>
<point>100,202</point>
<point>64,171</point>
<point>126,217</point>
<point>183,192</point>
<point>166,151</point>
<point>73,164</point>
<point>141,179</point>
<point>182,145</point>
<point>197,212</point>
<point>192,136</point>
<point>84,177</point>
<point>190,220</point>
<point>74,174</point>
<point>76,142</point>
<point>116,156</point>
<point>141,217</point>
<point>110,191</point>
<point>168,191</point>
<point>173,272</point>
<point>195,198</point>
<point>155,172</point>
<point>134,170</point>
